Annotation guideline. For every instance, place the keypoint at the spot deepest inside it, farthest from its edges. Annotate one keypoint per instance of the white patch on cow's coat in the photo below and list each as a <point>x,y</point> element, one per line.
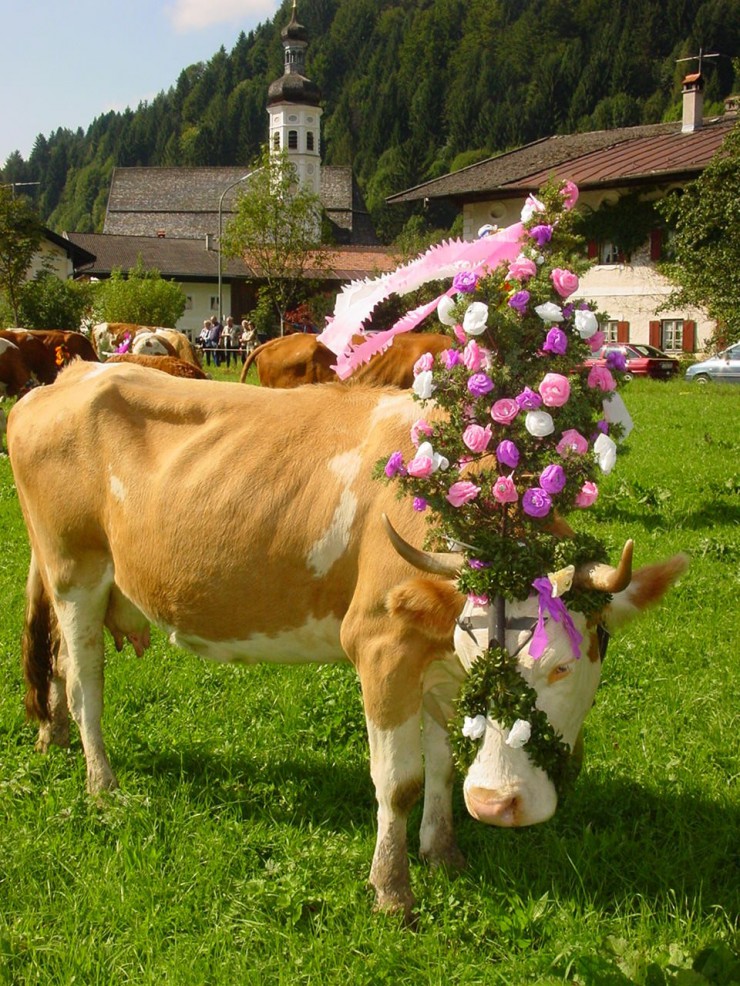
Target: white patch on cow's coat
<point>333,543</point>
<point>317,641</point>
<point>394,406</point>
<point>5,345</point>
<point>97,369</point>
<point>116,487</point>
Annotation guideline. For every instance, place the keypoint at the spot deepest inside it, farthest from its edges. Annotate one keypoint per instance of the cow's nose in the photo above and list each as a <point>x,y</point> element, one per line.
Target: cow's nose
<point>495,807</point>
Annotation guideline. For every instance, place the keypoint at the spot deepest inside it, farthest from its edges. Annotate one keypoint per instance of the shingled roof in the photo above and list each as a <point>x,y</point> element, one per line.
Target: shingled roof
<point>183,202</point>
<point>625,156</point>
<point>191,260</point>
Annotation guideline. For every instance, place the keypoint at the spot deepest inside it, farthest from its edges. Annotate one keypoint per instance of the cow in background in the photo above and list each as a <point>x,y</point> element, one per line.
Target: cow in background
<point>167,364</point>
<point>109,337</point>
<point>15,377</point>
<point>293,360</point>
<point>46,351</point>
<point>108,551</point>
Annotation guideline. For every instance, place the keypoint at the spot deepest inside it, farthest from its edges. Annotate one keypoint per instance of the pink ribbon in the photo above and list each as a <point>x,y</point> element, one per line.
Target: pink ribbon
<point>553,606</point>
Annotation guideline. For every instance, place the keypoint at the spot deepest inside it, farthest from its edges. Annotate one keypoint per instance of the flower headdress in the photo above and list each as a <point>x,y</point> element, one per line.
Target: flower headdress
<point>526,429</point>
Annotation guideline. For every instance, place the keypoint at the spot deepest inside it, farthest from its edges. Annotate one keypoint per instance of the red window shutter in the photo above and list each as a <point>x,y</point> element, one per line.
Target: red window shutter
<point>593,249</point>
<point>689,336</point>
<point>656,243</point>
<point>623,331</point>
<point>655,334</point>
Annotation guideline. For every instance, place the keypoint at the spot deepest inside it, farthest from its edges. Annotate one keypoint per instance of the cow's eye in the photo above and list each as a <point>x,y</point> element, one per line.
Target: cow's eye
<point>559,672</point>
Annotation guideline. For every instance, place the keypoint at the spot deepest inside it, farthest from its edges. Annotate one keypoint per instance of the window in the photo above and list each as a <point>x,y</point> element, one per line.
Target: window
<point>671,334</point>
<point>610,330</point>
<point>293,140</point>
<point>214,303</point>
<point>276,141</point>
<point>309,140</point>
<point>608,253</point>
<point>188,302</point>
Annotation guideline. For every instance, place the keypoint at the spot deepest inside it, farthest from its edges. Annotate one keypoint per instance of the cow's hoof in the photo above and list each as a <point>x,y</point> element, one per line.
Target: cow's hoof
<point>100,782</point>
<point>52,734</point>
<point>395,904</point>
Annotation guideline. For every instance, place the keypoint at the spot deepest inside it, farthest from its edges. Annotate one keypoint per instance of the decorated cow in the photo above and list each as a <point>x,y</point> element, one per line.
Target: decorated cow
<point>331,585</point>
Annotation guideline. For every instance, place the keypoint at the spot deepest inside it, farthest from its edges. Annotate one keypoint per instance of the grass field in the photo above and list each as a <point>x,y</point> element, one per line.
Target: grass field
<point>238,848</point>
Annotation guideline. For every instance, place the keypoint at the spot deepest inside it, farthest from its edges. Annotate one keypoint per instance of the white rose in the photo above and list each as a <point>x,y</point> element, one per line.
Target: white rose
<point>438,461</point>
<point>539,423</point>
<point>616,413</point>
<point>473,728</point>
<point>586,323</point>
<point>476,318</point>
<point>550,312</point>
<point>444,308</point>
<point>423,386</point>
<point>605,451</point>
<point>531,206</point>
<point>487,230</point>
<point>518,734</point>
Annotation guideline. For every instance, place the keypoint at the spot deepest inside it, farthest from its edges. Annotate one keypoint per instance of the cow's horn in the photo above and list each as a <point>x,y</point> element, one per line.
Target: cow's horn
<point>604,577</point>
<point>436,563</point>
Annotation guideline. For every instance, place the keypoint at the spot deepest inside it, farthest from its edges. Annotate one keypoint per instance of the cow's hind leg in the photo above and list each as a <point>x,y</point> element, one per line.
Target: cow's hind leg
<point>55,729</point>
<point>396,768</point>
<point>80,613</point>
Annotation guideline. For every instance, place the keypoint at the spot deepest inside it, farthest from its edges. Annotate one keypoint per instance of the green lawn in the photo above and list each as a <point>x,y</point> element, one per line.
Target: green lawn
<point>238,847</point>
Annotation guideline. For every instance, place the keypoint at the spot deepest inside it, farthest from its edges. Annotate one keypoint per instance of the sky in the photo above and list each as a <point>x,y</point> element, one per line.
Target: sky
<point>66,62</point>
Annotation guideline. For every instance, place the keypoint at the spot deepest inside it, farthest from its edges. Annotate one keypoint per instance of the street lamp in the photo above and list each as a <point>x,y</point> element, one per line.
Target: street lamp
<point>220,219</point>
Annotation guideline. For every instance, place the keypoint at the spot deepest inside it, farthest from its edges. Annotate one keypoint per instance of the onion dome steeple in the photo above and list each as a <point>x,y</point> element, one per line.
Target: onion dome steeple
<point>293,105</point>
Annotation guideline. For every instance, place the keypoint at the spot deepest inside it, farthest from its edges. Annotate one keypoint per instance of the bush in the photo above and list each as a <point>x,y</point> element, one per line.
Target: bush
<point>50,303</point>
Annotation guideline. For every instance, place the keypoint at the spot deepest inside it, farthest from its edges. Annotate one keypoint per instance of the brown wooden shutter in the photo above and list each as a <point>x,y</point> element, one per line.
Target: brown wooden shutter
<point>689,336</point>
<point>654,338</point>
<point>593,249</point>
<point>623,331</point>
<point>656,243</point>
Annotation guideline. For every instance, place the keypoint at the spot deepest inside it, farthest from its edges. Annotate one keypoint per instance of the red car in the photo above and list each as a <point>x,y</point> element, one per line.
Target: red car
<point>640,360</point>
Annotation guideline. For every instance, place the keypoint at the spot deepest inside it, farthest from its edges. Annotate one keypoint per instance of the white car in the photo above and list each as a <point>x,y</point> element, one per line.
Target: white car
<point>724,367</point>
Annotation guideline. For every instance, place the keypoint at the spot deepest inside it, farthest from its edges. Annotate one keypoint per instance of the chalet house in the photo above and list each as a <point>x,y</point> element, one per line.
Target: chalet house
<point>58,256</point>
<point>644,162</point>
<point>172,218</point>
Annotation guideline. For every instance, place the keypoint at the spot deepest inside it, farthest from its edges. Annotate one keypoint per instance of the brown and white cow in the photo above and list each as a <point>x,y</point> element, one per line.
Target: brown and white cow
<point>45,351</point>
<point>15,377</point>
<point>291,361</point>
<point>108,336</point>
<point>140,450</point>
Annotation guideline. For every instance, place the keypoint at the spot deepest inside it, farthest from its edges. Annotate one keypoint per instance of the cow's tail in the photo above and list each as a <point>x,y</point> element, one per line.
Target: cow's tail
<point>39,643</point>
<point>249,360</point>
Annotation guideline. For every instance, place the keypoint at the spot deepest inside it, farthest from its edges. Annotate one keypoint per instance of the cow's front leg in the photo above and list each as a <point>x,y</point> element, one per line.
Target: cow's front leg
<point>81,624</point>
<point>396,768</point>
<point>437,837</point>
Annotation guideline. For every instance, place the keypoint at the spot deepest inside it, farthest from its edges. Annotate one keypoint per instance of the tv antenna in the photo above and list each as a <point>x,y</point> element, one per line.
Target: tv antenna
<point>700,57</point>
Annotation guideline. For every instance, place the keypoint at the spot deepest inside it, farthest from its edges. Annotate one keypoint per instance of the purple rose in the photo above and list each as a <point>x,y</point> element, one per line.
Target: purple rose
<point>536,502</point>
<point>615,360</point>
<point>519,301</point>
<point>556,341</point>
<point>419,503</point>
<point>477,564</point>
<point>528,400</point>
<point>507,454</point>
<point>541,235</point>
<point>552,479</point>
<point>480,384</point>
<point>465,281</point>
<point>449,358</point>
<point>394,466</point>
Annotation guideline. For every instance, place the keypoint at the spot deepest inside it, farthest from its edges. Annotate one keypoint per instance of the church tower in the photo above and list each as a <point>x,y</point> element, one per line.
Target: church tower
<point>294,111</point>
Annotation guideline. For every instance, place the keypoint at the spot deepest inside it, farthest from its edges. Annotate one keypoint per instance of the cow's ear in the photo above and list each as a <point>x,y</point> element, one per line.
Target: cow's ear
<point>648,586</point>
<point>426,605</point>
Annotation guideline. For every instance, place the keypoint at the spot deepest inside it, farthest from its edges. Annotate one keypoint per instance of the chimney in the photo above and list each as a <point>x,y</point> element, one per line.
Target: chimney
<point>209,241</point>
<point>161,234</point>
<point>693,102</point>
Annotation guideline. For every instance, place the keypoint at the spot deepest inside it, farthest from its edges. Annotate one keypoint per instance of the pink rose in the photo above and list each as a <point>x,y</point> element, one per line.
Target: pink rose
<point>459,333</point>
<point>424,362</point>
<point>521,268</point>
<point>472,356</point>
<point>477,438</point>
<point>569,191</point>
<point>504,411</point>
<point>555,389</point>
<point>596,341</point>
<point>504,490</point>
<point>572,441</point>
<point>461,493</point>
<point>419,428</point>
<point>587,496</point>
<point>420,467</point>
<point>600,377</point>
<point>564,281</point>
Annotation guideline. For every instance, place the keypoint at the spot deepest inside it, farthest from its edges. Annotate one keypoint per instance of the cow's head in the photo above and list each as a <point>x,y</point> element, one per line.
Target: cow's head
<point>503,785</point>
